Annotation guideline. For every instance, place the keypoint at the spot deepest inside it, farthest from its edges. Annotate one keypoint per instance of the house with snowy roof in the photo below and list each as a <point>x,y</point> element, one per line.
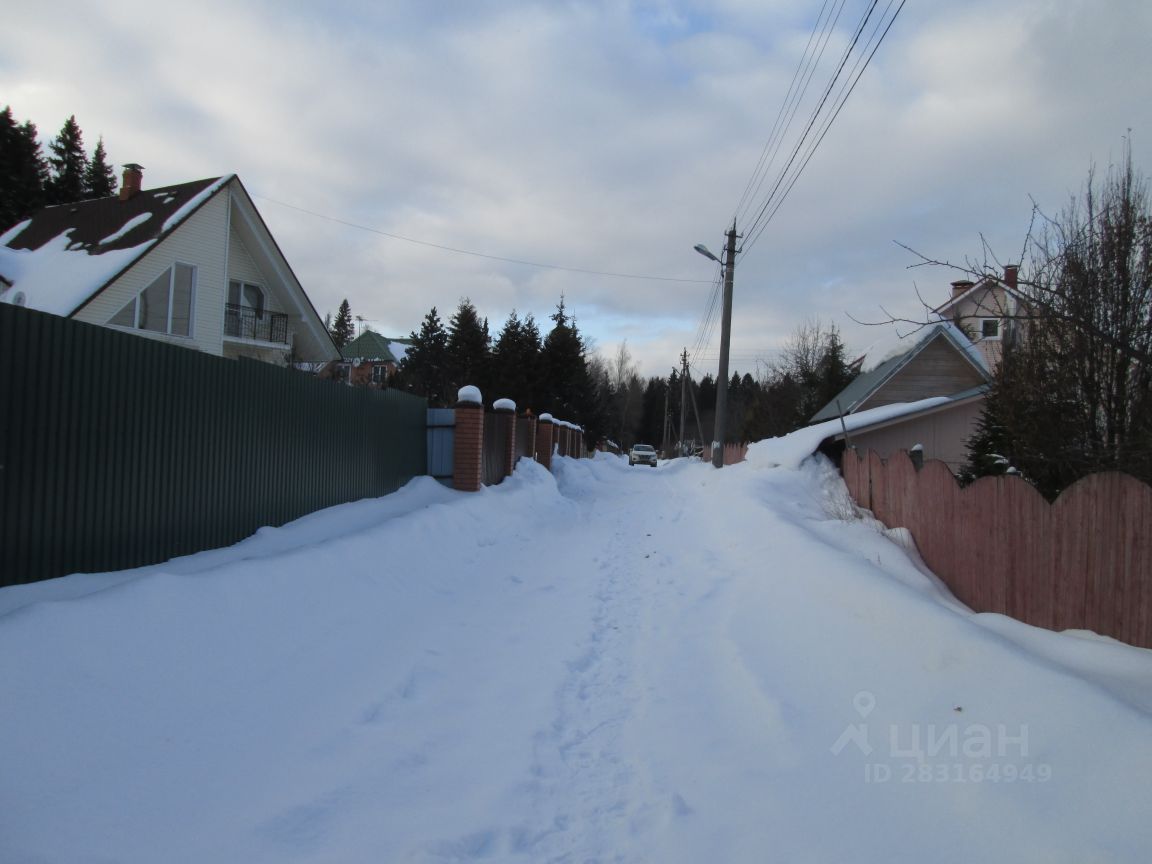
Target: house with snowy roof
<point>369,360</point>
<point>991,311</point>
<point>934,378</point>
<point>192,264</point>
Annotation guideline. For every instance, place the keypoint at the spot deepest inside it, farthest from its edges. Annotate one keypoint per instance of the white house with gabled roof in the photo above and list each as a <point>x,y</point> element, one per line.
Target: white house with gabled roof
<point>192,264</point>
<point>990,311</point>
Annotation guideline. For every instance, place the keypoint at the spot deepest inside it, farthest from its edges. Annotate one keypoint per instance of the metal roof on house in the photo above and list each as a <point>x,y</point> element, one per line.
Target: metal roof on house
<point>370,346</point>
<point>867,383</point>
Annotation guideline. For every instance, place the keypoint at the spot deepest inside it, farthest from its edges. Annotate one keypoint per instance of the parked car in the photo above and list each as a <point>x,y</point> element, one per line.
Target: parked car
<point>642,454</point>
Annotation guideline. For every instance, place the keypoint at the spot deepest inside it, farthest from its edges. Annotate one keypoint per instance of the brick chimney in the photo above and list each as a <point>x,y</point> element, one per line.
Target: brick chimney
<point>133,177</point>
<point>1011,271</point>
<point>960,286</point>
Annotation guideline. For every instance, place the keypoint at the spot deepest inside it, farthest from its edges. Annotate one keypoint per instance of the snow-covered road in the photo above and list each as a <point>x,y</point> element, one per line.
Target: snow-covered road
<point>602,664</point>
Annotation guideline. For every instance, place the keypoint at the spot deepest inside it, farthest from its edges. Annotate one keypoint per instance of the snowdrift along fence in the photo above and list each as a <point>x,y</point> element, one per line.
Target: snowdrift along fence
<point>118,451</point>
<point>1082,562</point>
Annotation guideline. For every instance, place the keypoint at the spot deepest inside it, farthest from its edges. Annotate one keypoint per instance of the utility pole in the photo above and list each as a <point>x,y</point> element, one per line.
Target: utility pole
<point>667,421</point>
<point>683,395</point>
<point>721,428</point>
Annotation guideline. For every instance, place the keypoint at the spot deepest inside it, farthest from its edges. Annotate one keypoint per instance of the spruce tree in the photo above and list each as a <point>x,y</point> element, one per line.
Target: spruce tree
<point>468,348</point>
<point>423,368</point>
<point>515,358</point>
<point>343,328</point>
<point>22,170</point>
<point>69,164</point>
<point>567,387</point>
<point>100,179</point>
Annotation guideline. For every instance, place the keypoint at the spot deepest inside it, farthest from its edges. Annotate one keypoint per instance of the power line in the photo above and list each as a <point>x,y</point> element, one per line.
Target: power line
<point>457,251</point>
<point>791,104</point>
<point>846,89</point>
<point>812,120</point>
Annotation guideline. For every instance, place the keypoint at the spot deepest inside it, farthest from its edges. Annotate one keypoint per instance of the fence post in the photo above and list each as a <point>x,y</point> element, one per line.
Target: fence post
<point>468,443</point>
<point>506,408</point>
<point>544,430</point>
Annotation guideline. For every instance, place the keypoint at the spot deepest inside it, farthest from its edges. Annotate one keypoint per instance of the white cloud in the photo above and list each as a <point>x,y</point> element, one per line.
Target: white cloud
<point>602,135</point>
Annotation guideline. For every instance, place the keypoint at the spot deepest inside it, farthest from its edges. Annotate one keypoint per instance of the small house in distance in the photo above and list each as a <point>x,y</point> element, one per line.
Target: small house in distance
<point>191,264</point>
<point>369,360</point>
<point>990,312</point>
<point>935,361</point>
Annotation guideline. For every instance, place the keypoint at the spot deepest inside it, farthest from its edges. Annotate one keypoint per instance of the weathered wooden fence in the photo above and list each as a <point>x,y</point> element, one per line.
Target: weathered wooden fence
<point>118,451</point>
<point>1082,562</point>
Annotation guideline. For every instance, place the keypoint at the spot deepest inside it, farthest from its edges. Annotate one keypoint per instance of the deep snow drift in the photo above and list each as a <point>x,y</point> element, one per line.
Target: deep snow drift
<point>602,665</point>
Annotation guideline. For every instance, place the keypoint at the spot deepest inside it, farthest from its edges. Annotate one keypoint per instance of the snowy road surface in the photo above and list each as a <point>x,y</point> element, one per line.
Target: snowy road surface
<point>603,664</point>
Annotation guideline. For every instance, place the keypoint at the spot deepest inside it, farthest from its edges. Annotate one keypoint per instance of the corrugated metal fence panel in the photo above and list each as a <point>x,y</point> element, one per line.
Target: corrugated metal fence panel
<point>441,439</point>
<point>119,451</point>
<point>495,447</point>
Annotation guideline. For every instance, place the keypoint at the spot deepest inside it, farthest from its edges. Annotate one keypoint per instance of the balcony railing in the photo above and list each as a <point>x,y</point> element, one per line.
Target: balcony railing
<point>244,322</point>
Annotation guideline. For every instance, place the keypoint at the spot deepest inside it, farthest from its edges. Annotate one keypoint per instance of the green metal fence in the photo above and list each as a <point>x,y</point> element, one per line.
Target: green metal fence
<point>118,451</point>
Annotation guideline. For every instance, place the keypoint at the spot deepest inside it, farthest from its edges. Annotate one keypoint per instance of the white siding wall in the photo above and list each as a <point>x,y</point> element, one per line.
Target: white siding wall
<point>241,266</point>
<point>199,241</point>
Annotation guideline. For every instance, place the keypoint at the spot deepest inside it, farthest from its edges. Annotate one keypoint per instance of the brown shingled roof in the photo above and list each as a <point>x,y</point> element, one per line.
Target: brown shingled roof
<point>91,221</point>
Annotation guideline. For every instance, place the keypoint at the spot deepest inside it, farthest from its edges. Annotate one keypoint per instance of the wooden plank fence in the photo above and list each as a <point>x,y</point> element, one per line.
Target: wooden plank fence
<point>1083,562</point>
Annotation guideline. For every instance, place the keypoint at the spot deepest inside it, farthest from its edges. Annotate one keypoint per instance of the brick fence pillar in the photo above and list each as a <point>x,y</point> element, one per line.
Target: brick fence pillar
<point>544,430</point>
<point>506,410</point>
<point>468,443</point>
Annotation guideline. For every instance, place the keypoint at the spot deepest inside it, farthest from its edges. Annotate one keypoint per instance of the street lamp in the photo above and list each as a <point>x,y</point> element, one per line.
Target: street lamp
<point>703,250</point>
<point>720,429</point>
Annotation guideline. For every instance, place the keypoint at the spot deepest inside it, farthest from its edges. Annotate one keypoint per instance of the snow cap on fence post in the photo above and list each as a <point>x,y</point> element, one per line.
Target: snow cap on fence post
<point>544,430</point>
<point>506,408</point>
<point>468,440</point>
<point>469,394</point>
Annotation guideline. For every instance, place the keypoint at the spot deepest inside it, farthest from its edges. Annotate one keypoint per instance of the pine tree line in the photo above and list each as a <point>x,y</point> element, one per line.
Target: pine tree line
<point>542,373</point>
<point>29,180</point>
<point>809,372</point>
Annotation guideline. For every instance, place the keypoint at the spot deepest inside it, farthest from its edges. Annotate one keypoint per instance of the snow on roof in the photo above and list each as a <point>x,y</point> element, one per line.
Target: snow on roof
<point>189,206</point>
<point>399,349</point>
<point>790,450</point>
<point>57,279</point>
<point>61,256</point>
<point>504,405</point>
<point>890,355</point>
<point>126,227</point>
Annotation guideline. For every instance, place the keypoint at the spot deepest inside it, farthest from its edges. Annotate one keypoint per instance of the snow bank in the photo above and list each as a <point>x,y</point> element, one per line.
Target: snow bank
<point>681,665</point>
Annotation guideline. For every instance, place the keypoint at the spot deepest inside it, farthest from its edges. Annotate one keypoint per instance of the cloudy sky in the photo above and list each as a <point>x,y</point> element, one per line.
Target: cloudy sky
<point>601,135</point>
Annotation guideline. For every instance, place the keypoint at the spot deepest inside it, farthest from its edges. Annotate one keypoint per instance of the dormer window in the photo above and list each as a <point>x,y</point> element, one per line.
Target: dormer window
<point>990,328</point>
<point>165,306</point>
